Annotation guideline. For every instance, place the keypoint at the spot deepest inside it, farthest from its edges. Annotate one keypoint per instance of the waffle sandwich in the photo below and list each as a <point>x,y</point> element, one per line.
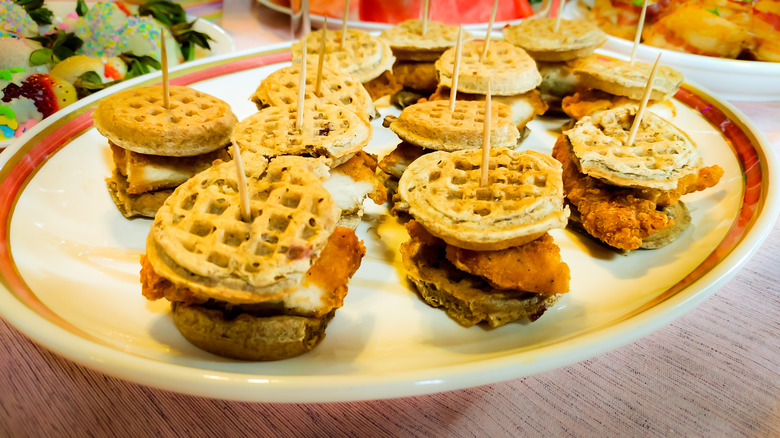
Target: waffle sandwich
<point>629,196</point>
<point>484,254</point>
<point>155,149</point>
<point>556,52</point>
<point>258,289</point>
<point>611,83</point>
<point>332,134</point>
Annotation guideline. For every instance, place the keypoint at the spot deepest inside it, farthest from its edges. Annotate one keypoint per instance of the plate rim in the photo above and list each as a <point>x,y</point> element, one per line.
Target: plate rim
<point>259,387</point>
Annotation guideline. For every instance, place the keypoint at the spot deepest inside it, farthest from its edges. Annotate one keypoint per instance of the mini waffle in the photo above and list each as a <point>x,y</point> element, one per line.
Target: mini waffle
<point>432,125</point>
<point>574,38</point>
<point>331,132</point>
<point>409,44</point>
<point>195,123</point>
<point>522,200</point>
<point>509,69</point>
<point>199,241</point>
<point>280,88</point>
<point>623,79</point>
<point>363,56</point>
<point>660,155</point>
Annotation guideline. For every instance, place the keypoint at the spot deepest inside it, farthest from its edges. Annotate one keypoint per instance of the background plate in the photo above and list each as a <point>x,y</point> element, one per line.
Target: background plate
<point>731,79</point>
<point>69,265</point>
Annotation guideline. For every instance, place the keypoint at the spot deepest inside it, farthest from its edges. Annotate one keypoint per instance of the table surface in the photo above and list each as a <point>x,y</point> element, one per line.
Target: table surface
<point>713,372</point>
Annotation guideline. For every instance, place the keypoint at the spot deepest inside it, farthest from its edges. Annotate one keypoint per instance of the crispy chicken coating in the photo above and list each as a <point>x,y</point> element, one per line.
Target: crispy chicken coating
<point>362,167</point>
<point>612,214</point>
<point>587,102</point>
<point>534,267</point>
<point>396,162</point>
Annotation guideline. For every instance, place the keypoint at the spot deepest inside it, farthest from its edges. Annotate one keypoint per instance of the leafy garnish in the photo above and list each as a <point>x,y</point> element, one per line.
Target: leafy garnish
<point>56,47</point>
<point>166,12</point>
<point>90,82</point>
<point>81,8</point>
<point>36,11</point>
<point>714,11</point>
<point>189,38</point>
<point>637,2</point>
<point>175,17</point>
<point>139,65</point>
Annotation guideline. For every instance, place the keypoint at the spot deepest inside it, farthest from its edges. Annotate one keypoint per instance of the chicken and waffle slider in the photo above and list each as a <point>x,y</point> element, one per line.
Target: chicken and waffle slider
<point>611,83</point>
<point>484,254</point>
<point>280,88</point>
<point>628,196</point>
<point>155,148</point>
<point>257,288</point>
<point>330,133</point>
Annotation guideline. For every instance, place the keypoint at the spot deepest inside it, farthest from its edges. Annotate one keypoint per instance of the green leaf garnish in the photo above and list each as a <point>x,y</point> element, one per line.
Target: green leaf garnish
<point>166,12</point>
<point>139,65</point>
<point>36,11</point>
<point>41,56</point>
<point>714,11</point>
<point>61,43</point>
<point>637,2</point>
<point>189,38</point>
<point>81,8</point>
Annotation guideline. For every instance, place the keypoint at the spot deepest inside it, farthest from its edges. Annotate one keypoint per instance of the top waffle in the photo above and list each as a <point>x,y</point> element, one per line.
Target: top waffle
<point>432,125</point>
<point>199,241</point>
<point>280,88</point>
<point>508,69</point>
<point>623,79</point>
<point>409,44</point>
<point>195,123</point>
<point>522,200</point>
<point>330,132</point>
<point>574,38</point>
<point>363,56</point>
<point>660,156</point>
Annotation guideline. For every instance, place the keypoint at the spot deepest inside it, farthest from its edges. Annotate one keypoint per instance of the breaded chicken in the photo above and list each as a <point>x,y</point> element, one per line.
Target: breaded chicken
<point>362,168</point>
<point>534,267</point>
<point>612,214</point>
<point>396,162</point>
<point>706,177</point>
<point>587,102</point>
<point>322,290</point>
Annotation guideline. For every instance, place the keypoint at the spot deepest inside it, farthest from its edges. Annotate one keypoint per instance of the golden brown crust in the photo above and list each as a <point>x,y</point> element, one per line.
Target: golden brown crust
<point>194,124</point>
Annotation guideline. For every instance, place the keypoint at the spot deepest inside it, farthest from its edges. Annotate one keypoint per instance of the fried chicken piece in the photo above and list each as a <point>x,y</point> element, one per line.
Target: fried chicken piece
<point>533,267</point>
<point>587,102</point>
<point>396,162</point>
<point>417,75</point>
<point>337,263</point>
<point>362,167</point>
<point>525,107</point>
<point>706,177</point>
<point>612,214</point>
<point>384,85</point>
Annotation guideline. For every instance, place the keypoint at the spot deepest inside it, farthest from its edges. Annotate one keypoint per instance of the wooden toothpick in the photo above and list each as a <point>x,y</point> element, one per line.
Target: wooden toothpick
<point>489,31</point>
<point>486,141</point>
<point>456,69</point>
<point>243,190</point>
<point>301,87</point>
<point>643,105</point>
<point>426,6</point>
<point>558,16</point>
<point>164,65</point>
<point>344,24</point>
<point>638,35</point>
<point>322,56</point>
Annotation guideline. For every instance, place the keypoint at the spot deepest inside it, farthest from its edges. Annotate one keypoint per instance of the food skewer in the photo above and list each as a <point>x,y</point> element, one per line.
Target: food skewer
<point>164,66</point>
<point>343,25</point>
<point>489,31</point>
<point>643,105</point>
<point>456,68</point>
<point>486,141</point>
<point>301,88</point>
<point>558,16</point>
<point>638,35</point>
<point>426,6</point>
<point>243,191</point>
<point>322,54</point>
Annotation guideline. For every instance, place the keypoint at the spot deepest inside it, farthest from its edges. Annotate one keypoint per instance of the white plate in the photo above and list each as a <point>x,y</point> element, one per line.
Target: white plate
<point>222,42</point>
<point>732,79</point>
<point>69,265</point>
<point>317,20</point>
